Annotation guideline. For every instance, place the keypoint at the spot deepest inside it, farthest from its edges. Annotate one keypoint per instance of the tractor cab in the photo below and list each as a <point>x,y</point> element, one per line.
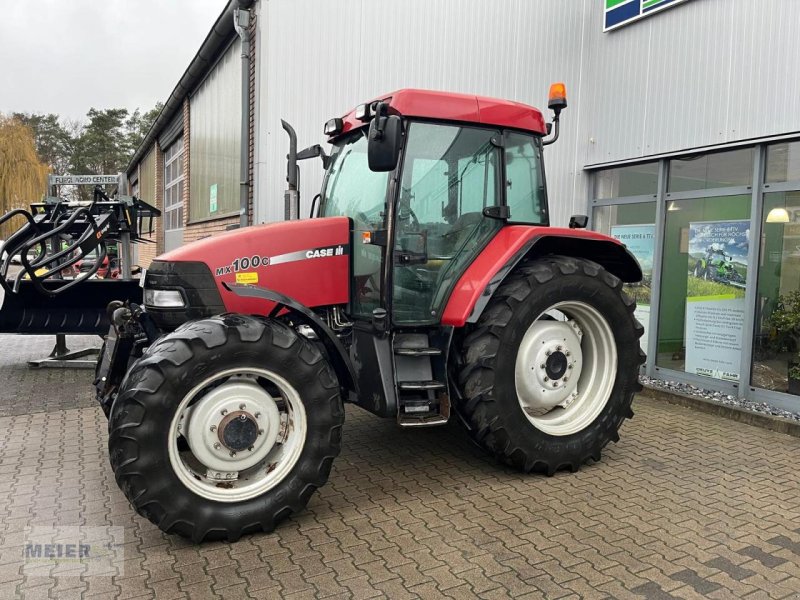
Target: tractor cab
<point>428,180</point>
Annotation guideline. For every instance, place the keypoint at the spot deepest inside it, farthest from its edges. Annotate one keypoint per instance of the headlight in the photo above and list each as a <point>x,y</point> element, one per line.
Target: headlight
<point>163,298</point>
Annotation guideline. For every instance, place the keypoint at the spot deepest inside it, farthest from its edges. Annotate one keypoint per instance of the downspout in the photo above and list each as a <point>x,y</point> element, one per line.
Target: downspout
<point>241,21</point>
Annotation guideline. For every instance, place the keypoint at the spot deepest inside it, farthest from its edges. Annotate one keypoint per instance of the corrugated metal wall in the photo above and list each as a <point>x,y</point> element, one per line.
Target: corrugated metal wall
<point>317,60</point>
<point>215,111</point>
<point>147,177</point>
<point>702,73</point>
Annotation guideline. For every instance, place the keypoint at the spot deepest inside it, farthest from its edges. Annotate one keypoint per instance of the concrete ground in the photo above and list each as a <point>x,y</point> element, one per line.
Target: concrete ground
<point>686,505</point>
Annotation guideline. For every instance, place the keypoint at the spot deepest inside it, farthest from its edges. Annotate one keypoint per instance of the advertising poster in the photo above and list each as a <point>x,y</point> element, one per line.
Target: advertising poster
<point>715,297</point>
<point>640,240</point>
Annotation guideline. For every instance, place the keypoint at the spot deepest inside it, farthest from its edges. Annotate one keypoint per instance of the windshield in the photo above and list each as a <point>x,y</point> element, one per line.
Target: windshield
<point>351,189</point>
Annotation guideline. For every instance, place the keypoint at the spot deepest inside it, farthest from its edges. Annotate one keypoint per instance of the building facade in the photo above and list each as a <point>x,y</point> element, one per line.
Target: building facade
<point>682,139</point>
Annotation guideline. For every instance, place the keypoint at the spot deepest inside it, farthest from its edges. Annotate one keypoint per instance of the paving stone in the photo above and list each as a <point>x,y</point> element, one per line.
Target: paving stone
<point>686,505</point>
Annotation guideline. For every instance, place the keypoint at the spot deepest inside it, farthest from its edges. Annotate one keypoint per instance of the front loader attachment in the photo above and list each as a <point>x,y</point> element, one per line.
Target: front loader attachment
<point>58,235</point>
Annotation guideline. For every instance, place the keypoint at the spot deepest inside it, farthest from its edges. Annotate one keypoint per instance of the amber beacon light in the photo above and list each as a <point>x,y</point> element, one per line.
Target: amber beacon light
<point>557,98</point>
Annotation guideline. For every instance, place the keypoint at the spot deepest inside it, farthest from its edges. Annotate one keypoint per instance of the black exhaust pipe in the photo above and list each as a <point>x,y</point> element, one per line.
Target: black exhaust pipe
<point>292,195</point>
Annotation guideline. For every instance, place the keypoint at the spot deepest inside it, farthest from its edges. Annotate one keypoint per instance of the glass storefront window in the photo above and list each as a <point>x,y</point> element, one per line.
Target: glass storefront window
<point>634,180</point>
<point>710,171</point>
<point>776,361</point>
<point>634,225</point>
<point>783,162</point>
<point>702,306</point>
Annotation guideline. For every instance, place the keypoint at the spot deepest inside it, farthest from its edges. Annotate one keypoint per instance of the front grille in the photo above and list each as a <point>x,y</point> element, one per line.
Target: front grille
<point>197,284</point>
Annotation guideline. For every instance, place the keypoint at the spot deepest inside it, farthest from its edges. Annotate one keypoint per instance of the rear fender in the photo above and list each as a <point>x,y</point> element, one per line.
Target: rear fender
<point>516,243</point>
<point>338,355</point>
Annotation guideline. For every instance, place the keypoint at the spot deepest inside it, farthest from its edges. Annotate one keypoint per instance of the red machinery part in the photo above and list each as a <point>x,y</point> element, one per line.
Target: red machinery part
<point>511,244</point>
<point>466,108</point>
<point>308,260</point>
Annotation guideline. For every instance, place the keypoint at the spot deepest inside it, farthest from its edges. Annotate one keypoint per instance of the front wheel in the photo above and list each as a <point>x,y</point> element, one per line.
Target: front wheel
<point>549,372</point>
<point>224,427</point>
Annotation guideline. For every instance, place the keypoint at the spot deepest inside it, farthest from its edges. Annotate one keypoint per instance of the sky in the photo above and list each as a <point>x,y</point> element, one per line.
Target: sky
<point>67,56</point>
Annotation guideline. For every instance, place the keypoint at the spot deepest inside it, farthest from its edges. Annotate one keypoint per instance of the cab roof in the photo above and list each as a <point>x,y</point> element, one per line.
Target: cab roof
<point>465,108</point>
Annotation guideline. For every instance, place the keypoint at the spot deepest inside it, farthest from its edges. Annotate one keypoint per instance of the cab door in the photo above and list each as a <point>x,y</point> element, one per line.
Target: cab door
<point>451,175</point>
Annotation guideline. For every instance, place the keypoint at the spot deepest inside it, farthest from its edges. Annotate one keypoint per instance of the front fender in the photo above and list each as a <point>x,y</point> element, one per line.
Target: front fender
<point>336,352</point>
<point>514,243</point>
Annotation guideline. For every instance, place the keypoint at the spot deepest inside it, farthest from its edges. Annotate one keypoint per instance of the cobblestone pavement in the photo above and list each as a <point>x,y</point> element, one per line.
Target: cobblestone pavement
<point>686,505</point>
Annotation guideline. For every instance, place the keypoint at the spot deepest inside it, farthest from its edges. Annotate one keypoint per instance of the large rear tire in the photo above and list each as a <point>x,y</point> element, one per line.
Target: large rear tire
<point>225,427</point>
<point>549,371</point>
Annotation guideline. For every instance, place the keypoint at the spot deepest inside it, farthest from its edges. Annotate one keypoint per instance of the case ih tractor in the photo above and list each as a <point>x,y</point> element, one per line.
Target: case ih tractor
<point>428,287</point>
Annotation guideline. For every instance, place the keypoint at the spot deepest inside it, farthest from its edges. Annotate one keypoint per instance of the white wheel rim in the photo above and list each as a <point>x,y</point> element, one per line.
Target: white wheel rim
<point>215,466</point>
<point>565,368</point>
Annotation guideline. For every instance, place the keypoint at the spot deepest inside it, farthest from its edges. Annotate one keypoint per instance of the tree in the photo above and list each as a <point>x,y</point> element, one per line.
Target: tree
<point>102,146</point>
<point>23,177</point>
<point>54,140</point>
<point>138,124</point>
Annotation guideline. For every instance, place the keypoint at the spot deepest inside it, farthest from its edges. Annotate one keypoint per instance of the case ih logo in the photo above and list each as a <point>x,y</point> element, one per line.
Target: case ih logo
<point>253,262</point>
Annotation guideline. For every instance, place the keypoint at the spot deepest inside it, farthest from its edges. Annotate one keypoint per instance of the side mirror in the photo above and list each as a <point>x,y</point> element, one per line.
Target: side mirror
<point>578,221</point>
<point>385,139</point>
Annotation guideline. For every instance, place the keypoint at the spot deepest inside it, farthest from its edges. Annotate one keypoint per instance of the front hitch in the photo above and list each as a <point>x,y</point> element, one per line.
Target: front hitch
<point>131,331</point>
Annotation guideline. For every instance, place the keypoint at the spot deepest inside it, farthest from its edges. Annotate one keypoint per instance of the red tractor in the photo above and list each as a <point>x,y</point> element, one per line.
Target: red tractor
<point>429,285</point>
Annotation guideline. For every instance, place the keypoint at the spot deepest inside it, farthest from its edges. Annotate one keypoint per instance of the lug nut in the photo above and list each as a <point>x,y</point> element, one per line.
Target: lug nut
<point>560,348</point>
<point>216,446</point>
<point>547,379</point>
<point>241,407</point>
<point>213,428</point>
<point>224,412</point>
<point>250,448</point>
<point>179,426</point>
<point>567,353</point>
<point>541,366</point>
<point>258,415</point>
<point>555,384</point>
<point>233,453</point>
<point>260,432</point>
<point>547,353</point>
<point>566,379</point>
<point>569,366</point>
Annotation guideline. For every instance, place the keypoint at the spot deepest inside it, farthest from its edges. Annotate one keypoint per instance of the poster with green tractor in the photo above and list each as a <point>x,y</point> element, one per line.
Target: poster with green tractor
<point>715,297</point>
<point>718,255</point>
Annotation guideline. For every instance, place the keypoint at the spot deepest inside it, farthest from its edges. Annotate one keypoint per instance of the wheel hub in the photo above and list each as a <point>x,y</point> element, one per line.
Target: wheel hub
<point>238,431</point>
<point>556,365</point>
<point>549,365</point>
<point>233,427</point>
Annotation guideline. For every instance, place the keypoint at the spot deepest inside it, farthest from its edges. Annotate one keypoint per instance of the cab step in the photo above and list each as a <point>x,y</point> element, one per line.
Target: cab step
<point>428,420</point>
<point>417,386</point>
<point>406,351</point>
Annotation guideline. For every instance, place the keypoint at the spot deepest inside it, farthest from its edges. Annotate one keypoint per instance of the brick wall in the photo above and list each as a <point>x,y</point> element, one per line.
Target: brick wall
<point>252,93</point>
<point>159,228</point>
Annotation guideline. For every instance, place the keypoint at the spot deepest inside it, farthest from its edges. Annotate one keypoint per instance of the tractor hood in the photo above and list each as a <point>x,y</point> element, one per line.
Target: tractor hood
<point>307,260</point>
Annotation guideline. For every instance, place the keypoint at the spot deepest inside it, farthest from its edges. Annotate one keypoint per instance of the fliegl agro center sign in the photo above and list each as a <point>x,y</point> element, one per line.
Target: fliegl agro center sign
<point>622,12</point>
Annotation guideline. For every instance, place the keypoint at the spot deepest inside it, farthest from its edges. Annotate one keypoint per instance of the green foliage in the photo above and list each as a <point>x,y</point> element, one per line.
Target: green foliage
<point>785,320</point>
<point>703,287</point>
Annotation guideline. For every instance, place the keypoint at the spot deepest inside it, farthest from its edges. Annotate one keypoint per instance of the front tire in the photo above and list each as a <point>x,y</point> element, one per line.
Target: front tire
<point>225,427</point>
<point>549,372</point>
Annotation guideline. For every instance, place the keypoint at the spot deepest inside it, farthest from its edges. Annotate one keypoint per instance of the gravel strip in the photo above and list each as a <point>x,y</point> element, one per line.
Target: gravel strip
<point>720,397</point>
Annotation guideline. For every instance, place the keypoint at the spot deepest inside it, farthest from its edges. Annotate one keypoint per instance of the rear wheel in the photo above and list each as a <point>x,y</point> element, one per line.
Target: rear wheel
<point>549,372</point>
<point>225,426</point>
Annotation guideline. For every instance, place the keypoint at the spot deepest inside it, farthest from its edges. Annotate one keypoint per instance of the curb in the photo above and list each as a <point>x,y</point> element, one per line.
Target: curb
<point>773,423</point>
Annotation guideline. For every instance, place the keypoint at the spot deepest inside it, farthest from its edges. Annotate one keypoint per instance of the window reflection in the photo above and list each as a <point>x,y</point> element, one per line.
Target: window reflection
<point>776,363</point>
